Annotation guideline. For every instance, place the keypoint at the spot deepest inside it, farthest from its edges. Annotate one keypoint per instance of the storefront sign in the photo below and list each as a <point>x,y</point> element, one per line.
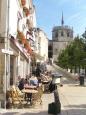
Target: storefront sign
<point>6,51</point>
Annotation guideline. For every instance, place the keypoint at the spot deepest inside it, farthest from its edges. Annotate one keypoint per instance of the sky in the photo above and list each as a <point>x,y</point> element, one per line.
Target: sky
<point>49,14</point>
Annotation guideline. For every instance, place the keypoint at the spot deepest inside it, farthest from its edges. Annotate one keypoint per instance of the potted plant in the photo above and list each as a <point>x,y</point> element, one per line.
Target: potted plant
<point>23,2</point>
<point>26,11</point>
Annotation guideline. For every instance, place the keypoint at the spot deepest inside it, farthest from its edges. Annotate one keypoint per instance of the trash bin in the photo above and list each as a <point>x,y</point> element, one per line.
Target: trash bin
<point>52,108</point>
<point>81,79</point>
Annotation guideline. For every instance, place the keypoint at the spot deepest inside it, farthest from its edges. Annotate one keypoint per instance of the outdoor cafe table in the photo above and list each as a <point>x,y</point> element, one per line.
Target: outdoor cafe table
<point>45,82</point>
<point>31,92</point>
<point>30,87</point>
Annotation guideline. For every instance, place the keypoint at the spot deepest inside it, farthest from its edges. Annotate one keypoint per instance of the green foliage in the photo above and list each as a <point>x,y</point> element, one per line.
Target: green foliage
<point>74,54</point>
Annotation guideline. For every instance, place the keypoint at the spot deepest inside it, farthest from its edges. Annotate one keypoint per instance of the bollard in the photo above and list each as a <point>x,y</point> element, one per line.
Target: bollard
<point>81,79</point>
<point>57,102</point>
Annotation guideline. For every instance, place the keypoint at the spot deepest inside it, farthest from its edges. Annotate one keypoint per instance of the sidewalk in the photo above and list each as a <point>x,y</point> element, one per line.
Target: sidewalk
<point>72,95</point>
<point>38,110</point>
<point>73,99</point>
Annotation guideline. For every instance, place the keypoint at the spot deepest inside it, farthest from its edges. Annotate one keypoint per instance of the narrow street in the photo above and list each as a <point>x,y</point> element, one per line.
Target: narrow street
<point>72,97</point>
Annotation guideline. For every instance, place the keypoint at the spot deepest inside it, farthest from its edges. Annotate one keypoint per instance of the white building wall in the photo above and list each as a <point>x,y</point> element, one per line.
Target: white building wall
<point>21,70</point>
<point>43,45</point>
<point>13,9</point>
<point>34,18</point>
<point>3,17</point>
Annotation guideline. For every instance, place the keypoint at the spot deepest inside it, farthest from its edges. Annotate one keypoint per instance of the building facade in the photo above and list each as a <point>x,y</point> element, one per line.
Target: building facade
<point>41,45</point>
<point>61,37</point>
<point>17,20</point>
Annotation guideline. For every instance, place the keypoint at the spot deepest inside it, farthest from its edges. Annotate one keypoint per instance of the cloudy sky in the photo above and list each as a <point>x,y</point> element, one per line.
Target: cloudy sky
<point>49,13</point>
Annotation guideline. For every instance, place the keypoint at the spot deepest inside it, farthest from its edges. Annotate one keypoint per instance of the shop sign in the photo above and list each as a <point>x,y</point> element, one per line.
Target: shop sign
<point>6,51</point>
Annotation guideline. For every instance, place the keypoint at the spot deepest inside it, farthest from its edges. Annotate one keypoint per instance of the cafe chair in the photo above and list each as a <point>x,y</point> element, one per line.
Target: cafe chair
<point>17,99</point>
<point>36,98</point>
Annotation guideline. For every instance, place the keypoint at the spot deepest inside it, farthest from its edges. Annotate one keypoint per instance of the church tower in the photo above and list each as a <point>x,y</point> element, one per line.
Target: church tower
<point>61,37</point>
<point>62,20</point>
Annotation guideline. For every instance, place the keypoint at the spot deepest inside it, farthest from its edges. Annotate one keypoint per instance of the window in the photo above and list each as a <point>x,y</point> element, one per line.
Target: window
<point>62,34</point>
<point>50,47</point>
<point>56,34</point>
<point>56,50</point>
<point>68,34</point>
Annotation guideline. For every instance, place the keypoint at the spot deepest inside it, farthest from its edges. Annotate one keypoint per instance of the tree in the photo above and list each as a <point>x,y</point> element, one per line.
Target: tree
<point>74,54</point>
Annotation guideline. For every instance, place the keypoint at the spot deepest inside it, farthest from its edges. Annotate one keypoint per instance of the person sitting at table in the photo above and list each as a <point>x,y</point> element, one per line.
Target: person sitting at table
<point>26,83</point>
<point>46,77</point>
<point>27,79</point>
<point>21,84</point>
<point>34,80</point>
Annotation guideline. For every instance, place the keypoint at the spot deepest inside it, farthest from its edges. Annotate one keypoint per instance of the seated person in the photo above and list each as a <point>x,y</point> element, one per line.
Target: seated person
<point>21,84</point>
<point>46,77</point>
<point>34,81</point>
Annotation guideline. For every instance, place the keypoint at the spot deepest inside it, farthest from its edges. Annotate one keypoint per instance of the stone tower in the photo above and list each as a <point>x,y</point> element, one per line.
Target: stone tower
<point>61,37</point>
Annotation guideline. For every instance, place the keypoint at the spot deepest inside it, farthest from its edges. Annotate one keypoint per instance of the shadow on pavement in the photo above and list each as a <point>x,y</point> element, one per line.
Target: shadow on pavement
<point>66,81</point>
<point>25,113</point>
<point>77,106</point>
<point>76,85</point>
<point>9,113</point>
<point>74,112</point>
<point>40,113</point>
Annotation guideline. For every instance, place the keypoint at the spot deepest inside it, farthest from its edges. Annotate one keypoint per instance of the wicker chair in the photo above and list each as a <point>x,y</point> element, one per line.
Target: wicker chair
<point>17,98</point>
<point>36,98</point>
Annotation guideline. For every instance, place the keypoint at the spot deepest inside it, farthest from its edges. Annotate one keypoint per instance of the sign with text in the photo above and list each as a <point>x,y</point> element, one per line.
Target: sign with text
<point>6,51</point>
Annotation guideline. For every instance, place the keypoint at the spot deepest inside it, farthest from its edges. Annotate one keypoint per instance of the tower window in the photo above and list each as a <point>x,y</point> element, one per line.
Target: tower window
<point>50,47</point>
<point>56,50</point>
<point>62,34</point>
<point>68,34</point>
<point>56,35</point>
